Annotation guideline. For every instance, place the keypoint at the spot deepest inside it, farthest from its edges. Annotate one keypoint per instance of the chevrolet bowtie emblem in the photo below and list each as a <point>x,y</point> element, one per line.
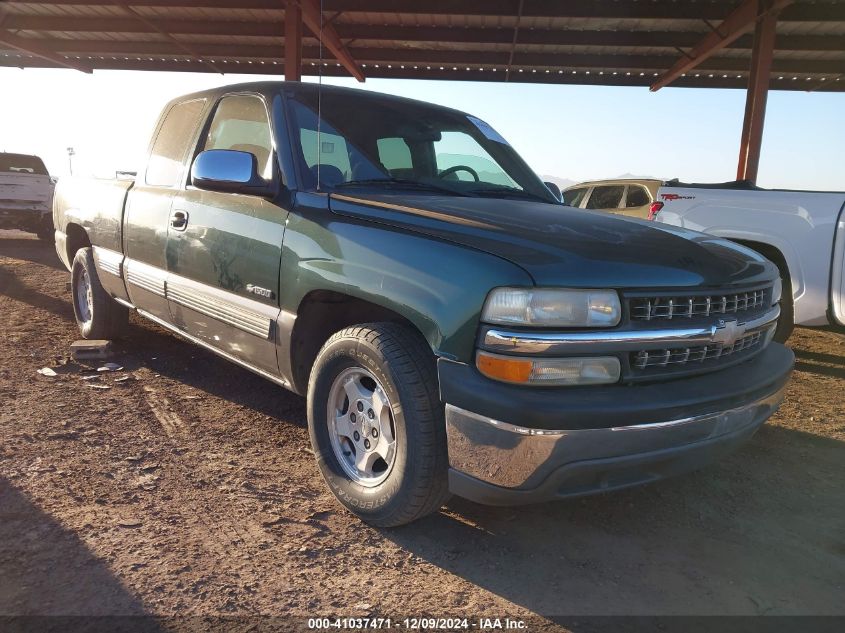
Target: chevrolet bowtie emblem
<point>728,332</point>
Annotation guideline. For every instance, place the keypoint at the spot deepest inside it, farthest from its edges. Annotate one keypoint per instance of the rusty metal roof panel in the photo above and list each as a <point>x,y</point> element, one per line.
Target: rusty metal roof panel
<point>621,42</point>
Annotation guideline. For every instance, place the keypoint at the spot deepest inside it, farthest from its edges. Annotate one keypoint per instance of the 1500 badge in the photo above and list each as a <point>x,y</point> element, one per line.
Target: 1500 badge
<point>261,292</point>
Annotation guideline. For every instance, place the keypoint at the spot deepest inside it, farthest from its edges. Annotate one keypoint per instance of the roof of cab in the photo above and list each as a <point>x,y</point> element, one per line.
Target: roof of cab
<point>269,88</point>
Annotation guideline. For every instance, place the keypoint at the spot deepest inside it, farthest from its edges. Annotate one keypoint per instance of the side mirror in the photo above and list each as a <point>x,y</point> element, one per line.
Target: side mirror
<point>555,190</point>
<point>229,171</point>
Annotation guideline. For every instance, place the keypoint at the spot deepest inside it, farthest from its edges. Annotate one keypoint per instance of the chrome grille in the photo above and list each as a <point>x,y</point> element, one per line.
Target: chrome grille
<point>692,306</point>
<point>687,355</point>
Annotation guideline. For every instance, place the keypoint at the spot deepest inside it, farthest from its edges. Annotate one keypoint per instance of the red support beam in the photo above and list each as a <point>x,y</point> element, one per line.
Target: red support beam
<point>293,41</point>
<point>755,100</point>
<point>737,24</point>
<point>312,16</point>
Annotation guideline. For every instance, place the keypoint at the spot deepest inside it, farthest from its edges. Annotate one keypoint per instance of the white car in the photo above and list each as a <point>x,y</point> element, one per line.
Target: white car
<point>26,195</point>
<point>803,232</point>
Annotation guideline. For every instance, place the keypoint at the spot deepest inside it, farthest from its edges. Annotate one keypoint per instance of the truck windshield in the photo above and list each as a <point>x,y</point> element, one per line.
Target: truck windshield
<point>22,163</point>
<point>370,141</point>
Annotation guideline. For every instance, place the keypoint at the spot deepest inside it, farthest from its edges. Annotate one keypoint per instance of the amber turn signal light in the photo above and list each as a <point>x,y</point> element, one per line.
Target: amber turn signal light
<point>503,368</point>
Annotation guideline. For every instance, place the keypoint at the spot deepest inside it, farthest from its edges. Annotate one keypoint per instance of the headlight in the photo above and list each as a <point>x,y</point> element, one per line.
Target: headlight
<point>777,290</point>
<point>552,307</point>
<point>601,370</point>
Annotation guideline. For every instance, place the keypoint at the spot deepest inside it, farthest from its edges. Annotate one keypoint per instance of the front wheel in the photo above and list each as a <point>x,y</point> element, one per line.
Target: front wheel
<point>97,314</point>
<point>376,423</point>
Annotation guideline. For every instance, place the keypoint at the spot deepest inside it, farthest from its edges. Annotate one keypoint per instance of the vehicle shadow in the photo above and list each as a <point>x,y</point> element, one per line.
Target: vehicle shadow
<point>148,345</point>
<point>48,574</point>
<point>11,287</point>
<point>31,250</point>
<point>820,370</point>
<point>727,540</point>
<point>819,357</point>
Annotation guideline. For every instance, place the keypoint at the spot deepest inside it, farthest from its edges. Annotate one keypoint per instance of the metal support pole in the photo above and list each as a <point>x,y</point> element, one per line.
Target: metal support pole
<point>293,41</point>
<point>758,91</point>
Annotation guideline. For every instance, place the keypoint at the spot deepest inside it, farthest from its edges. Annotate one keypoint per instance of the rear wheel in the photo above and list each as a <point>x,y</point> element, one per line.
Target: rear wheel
<point>97,314</point>
<point>376,423</point>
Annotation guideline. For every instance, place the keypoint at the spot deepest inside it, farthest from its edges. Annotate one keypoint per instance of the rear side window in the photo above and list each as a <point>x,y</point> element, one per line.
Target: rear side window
<point>606,197</point>
<point>637,197</point>
<point>240,123</point>
<point>167,159</point>
<point>573,197</point>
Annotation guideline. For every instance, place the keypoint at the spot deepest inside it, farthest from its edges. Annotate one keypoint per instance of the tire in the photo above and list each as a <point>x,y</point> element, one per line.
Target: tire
<point>97,314</point>
<point>786,322</point>
<point>396,365</point>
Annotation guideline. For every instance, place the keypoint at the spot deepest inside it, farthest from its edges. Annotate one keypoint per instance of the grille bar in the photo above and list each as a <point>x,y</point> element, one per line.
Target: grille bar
<point>645,359</point>
<point>691,306</point>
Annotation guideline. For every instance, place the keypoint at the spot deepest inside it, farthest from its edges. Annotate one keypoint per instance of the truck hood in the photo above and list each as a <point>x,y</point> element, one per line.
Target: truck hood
<point>562,246</point>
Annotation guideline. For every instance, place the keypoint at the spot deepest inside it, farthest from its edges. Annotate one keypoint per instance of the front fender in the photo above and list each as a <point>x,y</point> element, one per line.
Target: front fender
<point>438,286</point>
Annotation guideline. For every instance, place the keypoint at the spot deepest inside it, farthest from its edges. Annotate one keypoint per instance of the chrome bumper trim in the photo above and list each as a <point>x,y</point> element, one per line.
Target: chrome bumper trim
<point>595,342</point>
<point>516,457</point>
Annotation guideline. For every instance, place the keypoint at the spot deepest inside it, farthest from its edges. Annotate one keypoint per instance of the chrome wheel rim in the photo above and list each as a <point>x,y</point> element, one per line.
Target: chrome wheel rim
<point>84,298</point>
<point>361,427</point>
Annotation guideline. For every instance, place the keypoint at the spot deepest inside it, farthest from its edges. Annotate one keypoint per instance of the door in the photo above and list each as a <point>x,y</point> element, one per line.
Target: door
<point>148,207</point>
<point>224,250</point>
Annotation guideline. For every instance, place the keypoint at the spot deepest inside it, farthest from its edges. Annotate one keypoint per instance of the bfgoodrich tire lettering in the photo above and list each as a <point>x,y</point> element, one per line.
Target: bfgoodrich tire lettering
<point>393,358</point>
<point>97,314</point>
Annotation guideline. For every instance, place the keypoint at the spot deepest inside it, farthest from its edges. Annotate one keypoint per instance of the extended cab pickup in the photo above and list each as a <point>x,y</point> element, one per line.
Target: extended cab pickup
<point>803,232</point>
<point>453,326</point>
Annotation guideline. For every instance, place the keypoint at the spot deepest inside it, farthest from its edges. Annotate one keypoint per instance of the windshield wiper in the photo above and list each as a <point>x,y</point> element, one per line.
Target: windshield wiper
<point>507,192</point>
<point>399,183</point>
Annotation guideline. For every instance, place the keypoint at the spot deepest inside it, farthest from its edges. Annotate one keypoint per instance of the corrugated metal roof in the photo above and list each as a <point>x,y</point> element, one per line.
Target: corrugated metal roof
<point>614,42</point>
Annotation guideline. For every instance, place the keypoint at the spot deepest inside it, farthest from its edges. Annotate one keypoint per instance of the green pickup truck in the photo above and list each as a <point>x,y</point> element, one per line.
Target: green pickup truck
<point>454,327</point>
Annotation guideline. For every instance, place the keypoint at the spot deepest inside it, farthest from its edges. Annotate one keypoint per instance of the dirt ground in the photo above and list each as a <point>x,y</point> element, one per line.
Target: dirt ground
<point>189,489</point>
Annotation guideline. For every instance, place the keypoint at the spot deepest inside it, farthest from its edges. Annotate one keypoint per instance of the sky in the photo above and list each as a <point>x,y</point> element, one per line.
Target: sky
<point>571,132</point>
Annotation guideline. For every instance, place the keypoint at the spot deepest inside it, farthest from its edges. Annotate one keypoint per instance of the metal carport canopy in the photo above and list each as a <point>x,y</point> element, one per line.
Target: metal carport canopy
<point>752,44</point>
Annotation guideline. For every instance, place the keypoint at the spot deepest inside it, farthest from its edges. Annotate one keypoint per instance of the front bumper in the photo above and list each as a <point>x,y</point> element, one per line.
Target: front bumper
<point>512,445</point>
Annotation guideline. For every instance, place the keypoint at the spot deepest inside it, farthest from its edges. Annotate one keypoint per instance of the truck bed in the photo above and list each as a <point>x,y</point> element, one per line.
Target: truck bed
<point>801,227</point>
<point>90,204</point>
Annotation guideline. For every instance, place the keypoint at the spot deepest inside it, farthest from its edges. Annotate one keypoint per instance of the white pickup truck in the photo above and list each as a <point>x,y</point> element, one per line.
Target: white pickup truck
<point>26,195</point>
<point>803,232</point>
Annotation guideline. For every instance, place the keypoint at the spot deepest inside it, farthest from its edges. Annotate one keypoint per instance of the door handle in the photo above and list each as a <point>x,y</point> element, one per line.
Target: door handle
<point>179,220</point>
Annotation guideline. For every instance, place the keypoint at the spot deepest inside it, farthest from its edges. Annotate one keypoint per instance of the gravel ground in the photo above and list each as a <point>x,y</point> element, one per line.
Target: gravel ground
<point>183,485</point>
